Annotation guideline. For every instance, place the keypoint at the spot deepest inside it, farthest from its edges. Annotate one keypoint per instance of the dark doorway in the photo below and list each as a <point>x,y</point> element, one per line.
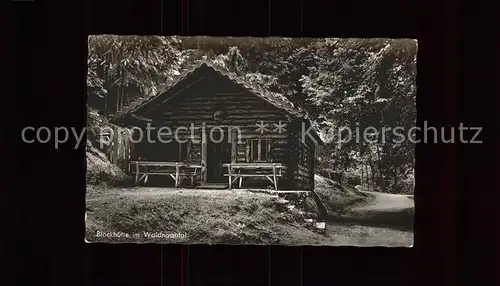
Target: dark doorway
<point>218,153</point>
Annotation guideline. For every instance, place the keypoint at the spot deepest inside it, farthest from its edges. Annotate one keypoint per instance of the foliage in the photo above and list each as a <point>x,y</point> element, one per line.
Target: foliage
<point>123,66</point>
<point>355,83</point>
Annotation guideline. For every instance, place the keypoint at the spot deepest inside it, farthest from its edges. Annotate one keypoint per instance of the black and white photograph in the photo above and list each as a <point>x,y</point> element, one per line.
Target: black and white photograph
<point>242,140</point>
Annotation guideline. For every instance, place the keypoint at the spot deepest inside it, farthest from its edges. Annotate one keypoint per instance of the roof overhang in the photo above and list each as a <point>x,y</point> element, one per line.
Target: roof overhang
<point>130,114</point>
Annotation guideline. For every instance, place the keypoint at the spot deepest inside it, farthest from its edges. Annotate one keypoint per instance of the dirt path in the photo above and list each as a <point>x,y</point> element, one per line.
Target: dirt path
<point>389,211</point>
<point>386,203</point>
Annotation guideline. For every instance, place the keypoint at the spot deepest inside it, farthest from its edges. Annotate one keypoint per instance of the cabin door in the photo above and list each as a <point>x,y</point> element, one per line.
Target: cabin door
<point>218,153</point>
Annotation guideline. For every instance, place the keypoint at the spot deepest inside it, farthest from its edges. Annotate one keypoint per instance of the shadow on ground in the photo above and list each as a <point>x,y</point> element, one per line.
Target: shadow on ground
<point>398,220</point>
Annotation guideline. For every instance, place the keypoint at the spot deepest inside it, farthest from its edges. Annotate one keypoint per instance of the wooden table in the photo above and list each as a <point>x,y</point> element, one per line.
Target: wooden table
<point>173,169</point>
<point>234,172</point>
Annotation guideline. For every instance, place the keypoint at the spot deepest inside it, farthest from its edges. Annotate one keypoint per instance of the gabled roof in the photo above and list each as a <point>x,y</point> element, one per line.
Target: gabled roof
<point>276,99</point>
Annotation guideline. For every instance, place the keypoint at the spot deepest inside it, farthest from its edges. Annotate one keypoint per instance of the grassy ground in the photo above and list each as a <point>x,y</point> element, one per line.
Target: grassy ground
<point>219,216</point>
<point>204,216</point>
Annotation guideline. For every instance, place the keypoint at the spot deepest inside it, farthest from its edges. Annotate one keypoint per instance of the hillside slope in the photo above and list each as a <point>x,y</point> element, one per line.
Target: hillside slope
<point>203,216</point>
<point>336,198</point>
<point>99,168</point>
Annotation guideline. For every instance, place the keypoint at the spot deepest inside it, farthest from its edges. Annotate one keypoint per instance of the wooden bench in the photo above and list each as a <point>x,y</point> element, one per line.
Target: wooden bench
<point>274,171</point>
<point>175,170</point>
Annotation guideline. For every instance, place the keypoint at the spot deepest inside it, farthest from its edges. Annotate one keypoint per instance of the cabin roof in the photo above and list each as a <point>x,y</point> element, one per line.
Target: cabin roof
<point>278,100</point>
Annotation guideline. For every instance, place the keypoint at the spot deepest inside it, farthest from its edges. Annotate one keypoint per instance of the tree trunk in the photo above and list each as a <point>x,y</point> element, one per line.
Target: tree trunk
<point>122,80</point>
<point>105,103</point>
<point>106,94</point>
<point>413,171</point>
<point>380,178</point>
<point>117,99</point>
<point>367,179</point>
<point>372,173</point>
<point>362,173</point>
<point>122,95</point>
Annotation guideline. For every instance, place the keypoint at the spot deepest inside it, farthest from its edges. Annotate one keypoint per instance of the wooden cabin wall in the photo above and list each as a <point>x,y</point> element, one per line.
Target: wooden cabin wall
<point>197,103</point>
<point>279,147</point>
<point>302,159</point>
<point>156,151</point>
<point>201,97</point>
<point>286,148</point>
<point>306,167</point>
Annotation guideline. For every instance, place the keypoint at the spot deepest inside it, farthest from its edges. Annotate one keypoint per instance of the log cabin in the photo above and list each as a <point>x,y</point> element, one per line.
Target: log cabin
<point>216,129</point>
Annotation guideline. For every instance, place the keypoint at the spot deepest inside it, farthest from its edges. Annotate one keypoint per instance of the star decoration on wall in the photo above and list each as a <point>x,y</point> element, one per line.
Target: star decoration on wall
<point>280,127</point>
<point>261,127</point>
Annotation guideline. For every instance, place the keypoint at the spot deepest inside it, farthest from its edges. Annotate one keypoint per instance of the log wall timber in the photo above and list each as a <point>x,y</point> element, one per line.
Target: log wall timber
<point>198,103</point>
<point>189,115</point>
<point>301,157</point>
